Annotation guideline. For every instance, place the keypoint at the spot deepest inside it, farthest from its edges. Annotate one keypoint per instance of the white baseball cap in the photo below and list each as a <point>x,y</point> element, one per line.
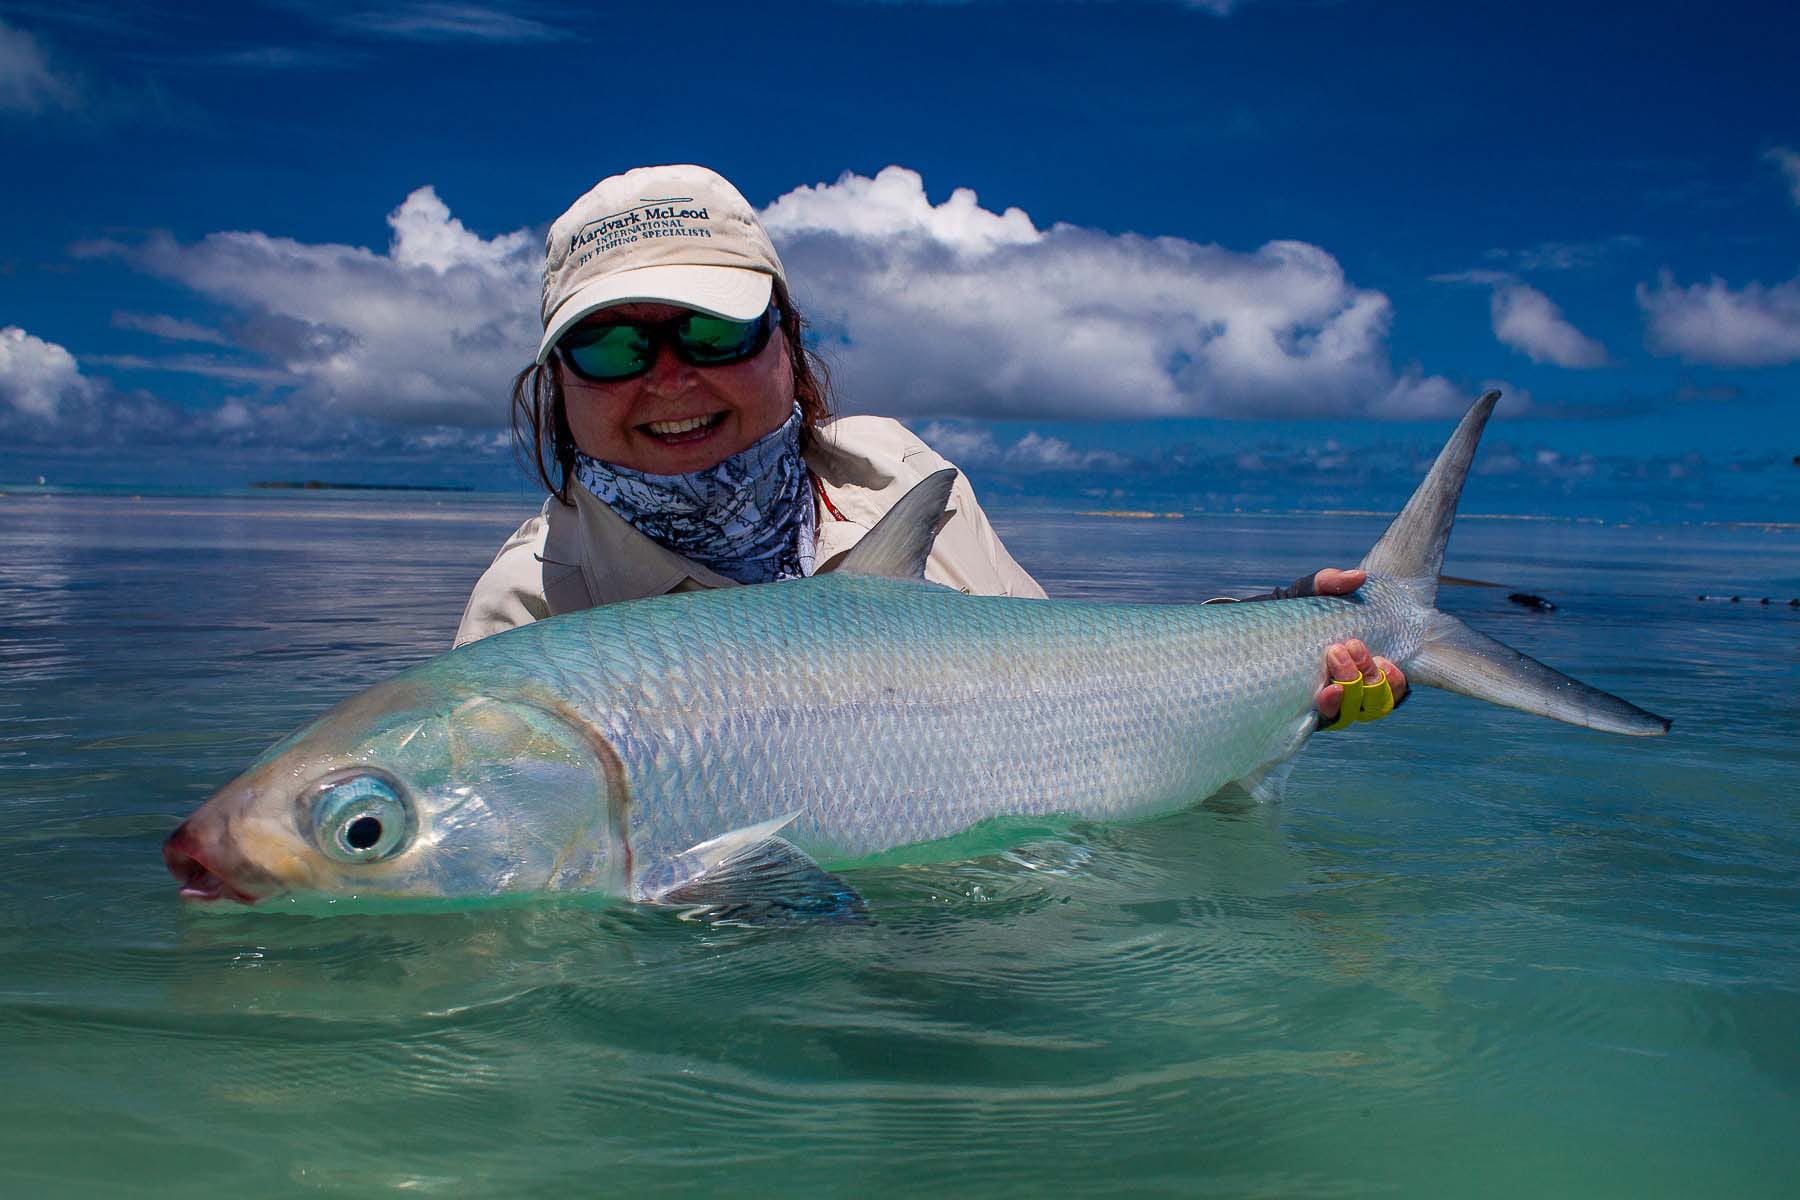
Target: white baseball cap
<point>663,235</point>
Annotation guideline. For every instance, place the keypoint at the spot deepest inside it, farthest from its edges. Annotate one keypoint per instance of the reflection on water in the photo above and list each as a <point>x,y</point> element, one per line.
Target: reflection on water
<point>1473,952</point>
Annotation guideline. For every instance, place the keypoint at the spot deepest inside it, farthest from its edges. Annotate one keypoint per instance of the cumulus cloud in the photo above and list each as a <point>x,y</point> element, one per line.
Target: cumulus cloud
<point>1033,451</point>
<point>1530,322</point>
<point>29,84</point>
<point>428,332</point>
<point>1710,322</point>
<point>927,310</point>
<point>1789,162</point>
<point>953,308</point>
<point>37,378</point>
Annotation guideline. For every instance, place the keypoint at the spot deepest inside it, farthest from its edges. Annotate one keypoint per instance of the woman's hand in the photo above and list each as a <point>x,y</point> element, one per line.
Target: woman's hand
<point>1346,660</point>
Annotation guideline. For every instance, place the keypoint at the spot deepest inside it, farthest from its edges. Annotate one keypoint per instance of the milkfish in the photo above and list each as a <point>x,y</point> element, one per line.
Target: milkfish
<point>726,751</point>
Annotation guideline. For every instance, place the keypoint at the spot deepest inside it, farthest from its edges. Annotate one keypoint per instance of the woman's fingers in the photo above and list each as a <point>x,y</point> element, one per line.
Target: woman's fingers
<point>1333,582</point>
<point>1395,676</point>
<point>1330,701</point>
<point>1350,662</point>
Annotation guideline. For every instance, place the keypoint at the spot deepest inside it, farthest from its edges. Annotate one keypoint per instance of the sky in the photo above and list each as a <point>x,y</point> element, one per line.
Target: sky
<point>1221,253</point>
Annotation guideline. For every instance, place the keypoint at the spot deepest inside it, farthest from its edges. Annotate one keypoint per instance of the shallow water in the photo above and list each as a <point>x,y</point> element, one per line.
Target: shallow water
<point>1473,953</point>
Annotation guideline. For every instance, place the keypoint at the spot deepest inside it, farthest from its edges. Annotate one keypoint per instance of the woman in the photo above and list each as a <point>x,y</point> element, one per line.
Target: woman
<point>684,430</point>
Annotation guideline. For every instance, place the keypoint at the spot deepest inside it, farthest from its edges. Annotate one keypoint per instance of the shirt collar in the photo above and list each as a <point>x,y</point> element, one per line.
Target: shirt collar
<point>617,562</point>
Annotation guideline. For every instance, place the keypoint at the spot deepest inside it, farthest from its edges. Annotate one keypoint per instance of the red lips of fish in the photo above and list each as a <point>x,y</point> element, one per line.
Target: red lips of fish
<point>199,880</point>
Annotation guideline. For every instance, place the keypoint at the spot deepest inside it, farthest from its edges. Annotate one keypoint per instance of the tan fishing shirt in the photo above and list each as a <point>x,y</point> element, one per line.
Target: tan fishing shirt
<point>575,556</point>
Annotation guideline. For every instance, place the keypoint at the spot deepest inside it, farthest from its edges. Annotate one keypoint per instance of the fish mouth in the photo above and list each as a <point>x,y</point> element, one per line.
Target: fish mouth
<point>199,881</point>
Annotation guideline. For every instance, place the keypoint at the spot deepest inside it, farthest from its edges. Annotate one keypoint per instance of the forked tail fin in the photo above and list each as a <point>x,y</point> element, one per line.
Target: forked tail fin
<point>1458,659</point>
<point>1452,655</point>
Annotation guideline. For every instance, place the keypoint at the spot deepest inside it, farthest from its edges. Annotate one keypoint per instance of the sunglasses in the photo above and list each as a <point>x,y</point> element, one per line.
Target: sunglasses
<point>608,353</point>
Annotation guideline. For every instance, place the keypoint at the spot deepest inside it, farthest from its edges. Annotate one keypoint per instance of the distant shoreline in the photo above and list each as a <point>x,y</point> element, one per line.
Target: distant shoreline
<point>319,485</point>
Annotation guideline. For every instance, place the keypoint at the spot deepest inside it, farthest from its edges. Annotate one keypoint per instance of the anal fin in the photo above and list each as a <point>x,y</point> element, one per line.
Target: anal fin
<point>1268,783</point>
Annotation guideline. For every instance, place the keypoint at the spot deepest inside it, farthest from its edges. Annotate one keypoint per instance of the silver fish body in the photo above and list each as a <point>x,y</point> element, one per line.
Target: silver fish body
<point>733,744</point>
<point>884,713</point>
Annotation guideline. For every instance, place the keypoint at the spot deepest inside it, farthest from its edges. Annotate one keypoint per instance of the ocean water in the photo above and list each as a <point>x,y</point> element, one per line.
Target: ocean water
<point>1473,953</point>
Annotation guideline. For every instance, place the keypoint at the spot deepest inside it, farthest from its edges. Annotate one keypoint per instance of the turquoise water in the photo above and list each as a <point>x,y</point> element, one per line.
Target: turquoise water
<point>1473,953</point>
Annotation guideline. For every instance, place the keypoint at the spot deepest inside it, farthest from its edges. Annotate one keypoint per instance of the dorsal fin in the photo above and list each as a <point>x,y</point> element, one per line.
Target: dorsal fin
<point>901,541</point>
<point>1412,549</point>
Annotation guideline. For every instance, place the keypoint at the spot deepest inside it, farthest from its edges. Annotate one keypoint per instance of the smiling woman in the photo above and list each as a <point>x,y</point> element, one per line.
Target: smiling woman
<point>682,427</point>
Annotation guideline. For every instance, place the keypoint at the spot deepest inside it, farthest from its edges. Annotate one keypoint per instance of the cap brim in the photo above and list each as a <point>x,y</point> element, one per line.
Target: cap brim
<point>734,293</point>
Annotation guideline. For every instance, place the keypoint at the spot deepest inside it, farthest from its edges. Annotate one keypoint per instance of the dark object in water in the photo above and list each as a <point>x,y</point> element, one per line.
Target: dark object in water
<point>1534,603</point>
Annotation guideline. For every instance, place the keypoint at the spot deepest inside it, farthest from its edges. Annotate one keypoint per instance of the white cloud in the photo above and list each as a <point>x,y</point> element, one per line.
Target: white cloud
<point>1530,322</point>
<point>172,329</point>
<point>445,22</point>
<point>28,83</point>
<point>1037,451</point>
<point>1710,323</point>
<point>927,310</point>
<point>195,364</point>
<point>1566,256</point>
<point>427,333</point>
<point>1032,452</point>
<point>961,443</point>
<point>952,308</point>
<point>1478,277</point>
<point>37,377</point>
<point>1789,162</point>
<point>426,235</point>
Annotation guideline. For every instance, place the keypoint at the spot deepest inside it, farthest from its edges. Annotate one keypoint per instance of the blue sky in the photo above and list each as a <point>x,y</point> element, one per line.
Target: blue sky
<point>1245,252</point>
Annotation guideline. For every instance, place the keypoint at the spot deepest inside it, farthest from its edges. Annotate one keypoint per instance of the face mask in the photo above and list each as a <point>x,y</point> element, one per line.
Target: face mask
<point>750,518</point>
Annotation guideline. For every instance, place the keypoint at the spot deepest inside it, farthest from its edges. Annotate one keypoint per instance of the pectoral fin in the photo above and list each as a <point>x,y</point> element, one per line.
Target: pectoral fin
<point>754,877</point>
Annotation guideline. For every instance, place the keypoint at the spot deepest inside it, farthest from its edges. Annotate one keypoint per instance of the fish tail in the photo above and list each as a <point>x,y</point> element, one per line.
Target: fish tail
<point>1459,659</point>
<point>1455,657</point>
<point>1412,550</point>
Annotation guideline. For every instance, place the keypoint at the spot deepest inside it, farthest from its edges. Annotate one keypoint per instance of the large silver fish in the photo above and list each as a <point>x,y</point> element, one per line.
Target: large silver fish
<point>722,749</point>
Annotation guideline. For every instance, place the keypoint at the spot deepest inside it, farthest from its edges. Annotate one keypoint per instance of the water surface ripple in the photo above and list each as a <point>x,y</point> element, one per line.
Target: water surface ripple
<point>1473,953</point>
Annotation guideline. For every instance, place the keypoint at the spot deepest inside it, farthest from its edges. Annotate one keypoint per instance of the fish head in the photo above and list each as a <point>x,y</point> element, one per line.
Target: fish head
<point>409,791</point>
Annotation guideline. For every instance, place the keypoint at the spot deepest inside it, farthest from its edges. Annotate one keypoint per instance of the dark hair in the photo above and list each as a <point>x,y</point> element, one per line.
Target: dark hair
<point>540,421</point>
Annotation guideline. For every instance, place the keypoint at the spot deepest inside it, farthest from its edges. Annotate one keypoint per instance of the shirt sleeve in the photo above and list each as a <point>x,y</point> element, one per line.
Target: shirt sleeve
<point>1003,576</point>
<point>1014,579</point>
<point>511,591</point>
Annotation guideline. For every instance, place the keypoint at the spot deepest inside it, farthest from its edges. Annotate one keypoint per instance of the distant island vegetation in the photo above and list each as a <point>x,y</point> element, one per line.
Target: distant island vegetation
<point>322,485</point>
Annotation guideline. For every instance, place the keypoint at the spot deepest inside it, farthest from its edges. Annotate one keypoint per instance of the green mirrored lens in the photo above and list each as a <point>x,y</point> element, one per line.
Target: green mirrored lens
<point>610,352</point>
<point>715,339</point>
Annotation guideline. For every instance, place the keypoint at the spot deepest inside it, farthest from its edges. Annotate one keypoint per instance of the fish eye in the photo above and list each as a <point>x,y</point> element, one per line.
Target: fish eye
<point>361,817</point>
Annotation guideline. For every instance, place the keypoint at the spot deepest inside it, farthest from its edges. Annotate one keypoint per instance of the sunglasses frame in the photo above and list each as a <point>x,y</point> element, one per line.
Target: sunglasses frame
<point>663,334</point>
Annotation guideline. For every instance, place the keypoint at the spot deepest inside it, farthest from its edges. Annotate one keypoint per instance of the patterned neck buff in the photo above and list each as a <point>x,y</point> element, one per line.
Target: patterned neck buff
<point>750,518</point>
